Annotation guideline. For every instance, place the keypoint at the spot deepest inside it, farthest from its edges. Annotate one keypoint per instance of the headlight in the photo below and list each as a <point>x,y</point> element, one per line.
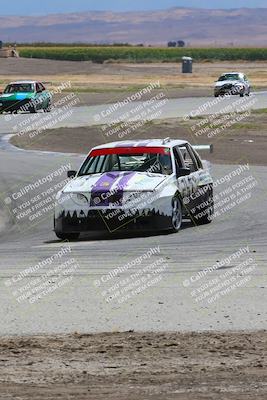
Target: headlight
<point>61,197</point>
<point>79,198</point>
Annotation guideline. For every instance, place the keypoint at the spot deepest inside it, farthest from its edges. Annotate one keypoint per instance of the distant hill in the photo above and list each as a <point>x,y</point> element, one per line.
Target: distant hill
<point>241,27</point>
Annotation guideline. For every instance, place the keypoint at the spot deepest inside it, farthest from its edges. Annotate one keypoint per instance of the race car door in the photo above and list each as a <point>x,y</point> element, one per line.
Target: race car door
<point>187,172</point>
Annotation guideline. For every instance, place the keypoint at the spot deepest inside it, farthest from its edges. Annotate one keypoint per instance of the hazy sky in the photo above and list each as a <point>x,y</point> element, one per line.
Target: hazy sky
<point>33,7</point>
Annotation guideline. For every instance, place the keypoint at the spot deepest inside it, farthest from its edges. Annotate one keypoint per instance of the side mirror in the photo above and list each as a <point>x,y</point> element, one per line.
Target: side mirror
<point>183,172</point>
<point>71,174</point>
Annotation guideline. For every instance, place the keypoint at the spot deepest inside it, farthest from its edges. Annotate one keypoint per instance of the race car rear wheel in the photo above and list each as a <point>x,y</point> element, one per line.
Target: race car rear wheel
<point>207,218</point>
<point>48,108</point>
<point>32,109</point>
<point>67,236</point>
<point>206,213</point>
<point>176,218</point>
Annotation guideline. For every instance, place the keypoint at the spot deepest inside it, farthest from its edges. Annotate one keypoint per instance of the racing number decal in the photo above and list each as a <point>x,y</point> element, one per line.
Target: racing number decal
<point>188,184</point>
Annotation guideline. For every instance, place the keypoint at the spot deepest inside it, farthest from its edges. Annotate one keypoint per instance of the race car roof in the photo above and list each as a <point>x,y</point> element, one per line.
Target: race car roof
<point>19,82</point>
<point>143,143</point>
<point>232,73</point>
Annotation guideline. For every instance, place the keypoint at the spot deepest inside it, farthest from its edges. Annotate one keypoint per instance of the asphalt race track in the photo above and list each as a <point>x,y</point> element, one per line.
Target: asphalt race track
<point>172,108</point>
<point>171,303</point>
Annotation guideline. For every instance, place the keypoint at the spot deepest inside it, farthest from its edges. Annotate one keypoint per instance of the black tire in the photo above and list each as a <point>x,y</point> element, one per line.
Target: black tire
<point>48,108</point>
<point>177,215</point>
<point>241,94</point>
<point>32,110</point>
<point>67,236</point>
<point>207,218</point>
<point>207,212</point>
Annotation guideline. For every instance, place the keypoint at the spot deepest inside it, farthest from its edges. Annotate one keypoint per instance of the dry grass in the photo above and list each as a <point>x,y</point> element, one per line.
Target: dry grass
<point>123,76</point>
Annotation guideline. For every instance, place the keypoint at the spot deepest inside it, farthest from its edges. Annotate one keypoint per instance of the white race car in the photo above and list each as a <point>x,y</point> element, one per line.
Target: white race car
<point>235,83</point>
<point>146,184</point>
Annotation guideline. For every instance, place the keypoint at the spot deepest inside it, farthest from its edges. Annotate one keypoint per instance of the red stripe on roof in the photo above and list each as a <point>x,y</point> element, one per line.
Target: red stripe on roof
<point>129,150</point>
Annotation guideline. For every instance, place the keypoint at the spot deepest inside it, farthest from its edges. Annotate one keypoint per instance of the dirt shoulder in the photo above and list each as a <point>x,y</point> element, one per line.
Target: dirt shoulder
<point>98,96</point>
<point>182,366</point>
<point>244,142</point>
<point>113,76</point>
<point>105,83</point>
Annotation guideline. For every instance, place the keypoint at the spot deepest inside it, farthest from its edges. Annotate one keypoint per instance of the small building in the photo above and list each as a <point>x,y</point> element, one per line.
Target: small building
<point>9,51</point>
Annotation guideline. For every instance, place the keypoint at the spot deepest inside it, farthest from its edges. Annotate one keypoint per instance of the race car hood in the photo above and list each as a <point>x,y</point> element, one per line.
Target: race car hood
<point>115,181</point>
<point>228,82</point>
<point>16,96</point>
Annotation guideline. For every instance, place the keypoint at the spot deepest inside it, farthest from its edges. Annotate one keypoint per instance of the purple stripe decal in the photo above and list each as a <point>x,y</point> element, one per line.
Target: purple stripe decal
<point>136,144</point>
<point>103,186</point>
<point>106,180</point>
<point>125,145</point>
<point>123,182</point>
<point>143,144</point>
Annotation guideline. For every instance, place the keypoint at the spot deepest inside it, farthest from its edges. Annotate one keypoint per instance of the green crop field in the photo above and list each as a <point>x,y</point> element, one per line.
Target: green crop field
<point>99,54</point>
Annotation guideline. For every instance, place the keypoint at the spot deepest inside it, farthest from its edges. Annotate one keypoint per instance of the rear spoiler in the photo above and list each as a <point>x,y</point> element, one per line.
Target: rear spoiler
<point>204,147</point>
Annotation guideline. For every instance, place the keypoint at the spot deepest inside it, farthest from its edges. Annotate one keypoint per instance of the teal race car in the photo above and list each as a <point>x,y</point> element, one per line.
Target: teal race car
<point>25,96</point>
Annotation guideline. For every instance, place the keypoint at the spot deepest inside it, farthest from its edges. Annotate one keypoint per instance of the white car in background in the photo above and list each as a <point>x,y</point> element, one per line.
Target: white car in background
<point>135,185</point>
<point>235,83</point>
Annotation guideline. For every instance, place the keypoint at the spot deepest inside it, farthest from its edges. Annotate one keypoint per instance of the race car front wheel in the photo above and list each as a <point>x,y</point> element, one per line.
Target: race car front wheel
<point>176,218</point>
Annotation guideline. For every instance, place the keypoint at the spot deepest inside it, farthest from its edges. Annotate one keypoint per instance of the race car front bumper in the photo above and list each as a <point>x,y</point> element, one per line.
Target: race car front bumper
<point>11,106</point>
<point>111,221</point>
<point>229,89</point>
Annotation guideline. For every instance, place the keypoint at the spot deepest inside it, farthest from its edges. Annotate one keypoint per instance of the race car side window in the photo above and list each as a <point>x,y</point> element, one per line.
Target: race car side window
<point>197,158</point>
<point>177,159</point>
<point>39,87</point>
<point>189,158</point>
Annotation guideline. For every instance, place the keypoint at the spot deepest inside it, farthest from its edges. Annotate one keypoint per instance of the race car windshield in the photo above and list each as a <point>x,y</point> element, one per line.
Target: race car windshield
<point>19,88</point>
<point>229,77</point>
<point>154,161</point>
